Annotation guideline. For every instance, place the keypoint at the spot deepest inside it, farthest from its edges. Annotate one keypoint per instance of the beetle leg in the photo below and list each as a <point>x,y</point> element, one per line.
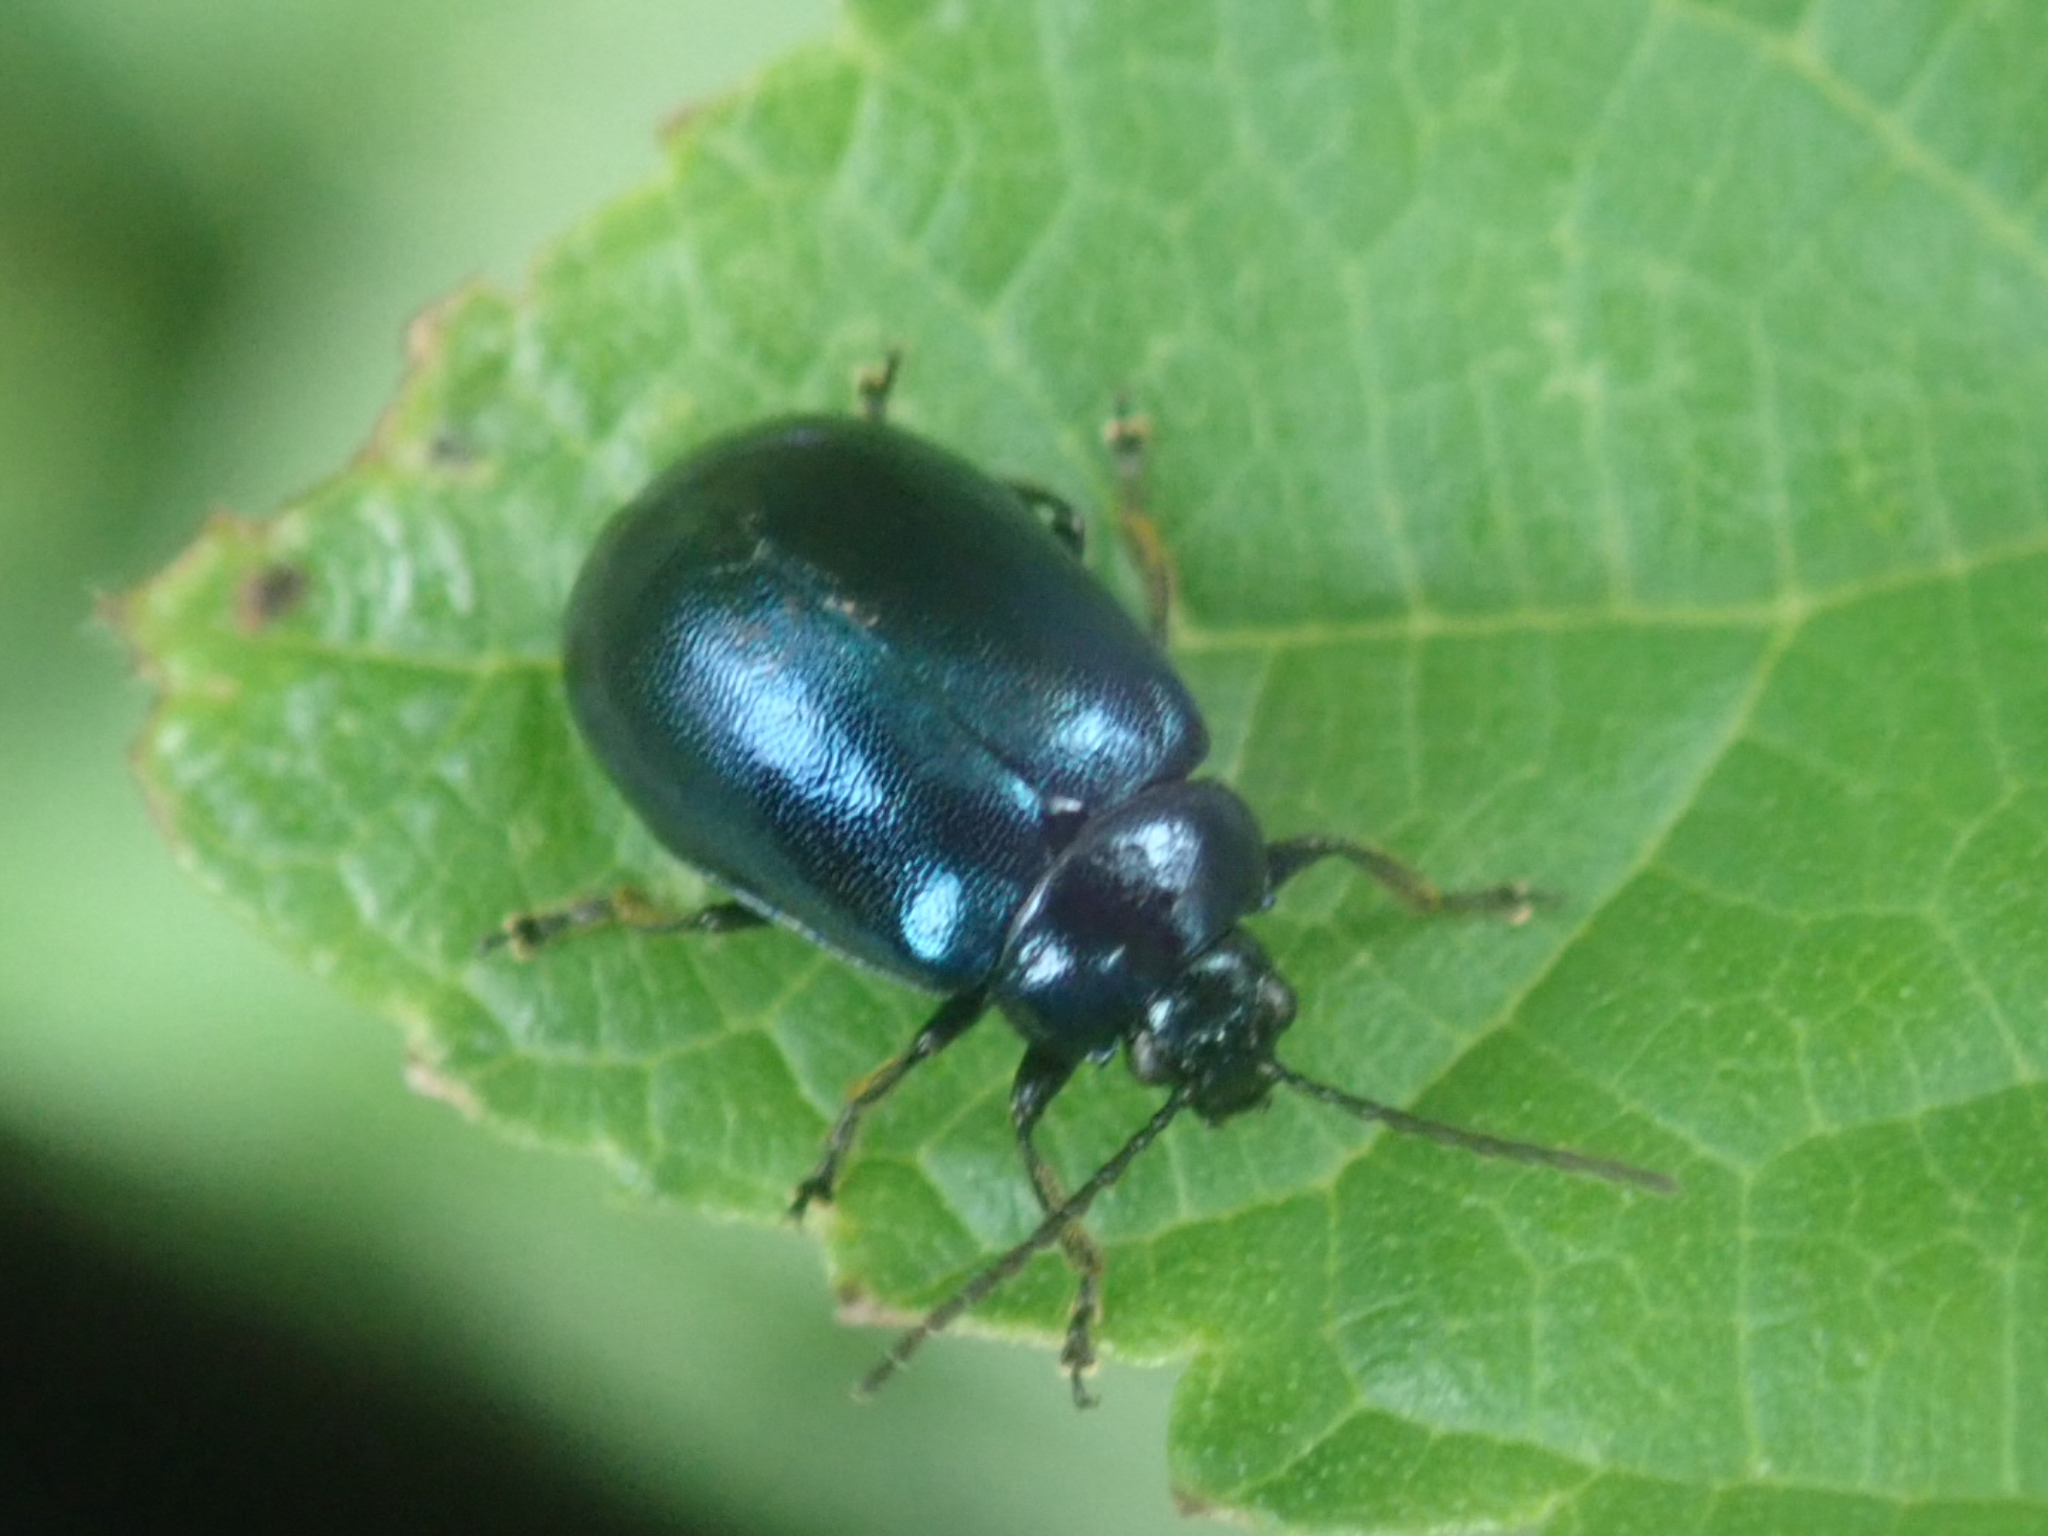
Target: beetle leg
<point>1059,514</point>
<point>1040,1076</point>
<point>874,385</point>
<point>1005,1266</point>
<point>525,933</point>
<point>952,1020</point>
<point>1513,901</point>
<point>1128,437</point>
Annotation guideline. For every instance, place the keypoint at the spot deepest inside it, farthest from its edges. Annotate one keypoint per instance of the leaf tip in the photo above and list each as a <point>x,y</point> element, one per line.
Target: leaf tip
<point>429,346</point>
<point>1193,1506</point>
<point>858,1307</point>
<point>430,1081</point>
<point>675,129</point>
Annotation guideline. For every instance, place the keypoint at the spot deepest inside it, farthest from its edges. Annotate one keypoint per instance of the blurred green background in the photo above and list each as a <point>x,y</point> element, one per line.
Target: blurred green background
<point>235,1254</point>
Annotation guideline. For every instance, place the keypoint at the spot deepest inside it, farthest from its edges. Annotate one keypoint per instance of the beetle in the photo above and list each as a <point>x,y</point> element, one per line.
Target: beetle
<point>873,692</point>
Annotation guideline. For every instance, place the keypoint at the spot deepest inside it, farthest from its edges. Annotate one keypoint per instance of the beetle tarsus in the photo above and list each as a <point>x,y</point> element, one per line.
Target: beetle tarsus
<point>1083,1398</point>
<point>1514,901</point>
<point>1077,1357</point>
<point>1128,436</point>
<point>525,934</point>
<point>876,383</point>
<point>952,1020</point>
<point>815,1190</point>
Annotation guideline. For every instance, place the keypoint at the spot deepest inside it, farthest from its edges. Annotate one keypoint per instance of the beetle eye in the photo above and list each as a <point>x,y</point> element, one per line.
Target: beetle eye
<point>1149,1060</point>
<point>1276,1004</point>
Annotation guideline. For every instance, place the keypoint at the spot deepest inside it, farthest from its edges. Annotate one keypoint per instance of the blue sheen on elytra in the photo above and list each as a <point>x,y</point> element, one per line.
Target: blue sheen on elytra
<point>854,679</point>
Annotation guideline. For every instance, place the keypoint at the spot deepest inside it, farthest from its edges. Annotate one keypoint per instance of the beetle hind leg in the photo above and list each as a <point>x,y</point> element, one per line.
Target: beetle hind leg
<point>1128,436</point>
<point>525,934</point>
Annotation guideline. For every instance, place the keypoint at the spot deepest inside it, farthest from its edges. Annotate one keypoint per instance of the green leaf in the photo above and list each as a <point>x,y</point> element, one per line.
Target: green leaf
<point>1600,441</point>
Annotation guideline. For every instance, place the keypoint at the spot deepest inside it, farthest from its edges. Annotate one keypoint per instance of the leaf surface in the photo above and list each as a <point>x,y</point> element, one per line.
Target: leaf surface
<point>1599,442</point>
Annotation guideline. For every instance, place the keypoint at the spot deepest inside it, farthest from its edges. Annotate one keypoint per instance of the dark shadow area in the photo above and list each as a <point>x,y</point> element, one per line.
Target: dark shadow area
<point>129,1404</point>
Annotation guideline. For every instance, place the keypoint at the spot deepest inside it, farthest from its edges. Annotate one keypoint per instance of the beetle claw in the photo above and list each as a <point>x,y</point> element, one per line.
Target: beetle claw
<point>817,1189</point>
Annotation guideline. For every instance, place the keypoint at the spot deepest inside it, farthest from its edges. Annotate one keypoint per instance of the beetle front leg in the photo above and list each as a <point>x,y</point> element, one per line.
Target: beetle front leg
<point>527,933</point>
<point>1039,1077</point>
<point>1514,901</point>
<point>953,1019</point>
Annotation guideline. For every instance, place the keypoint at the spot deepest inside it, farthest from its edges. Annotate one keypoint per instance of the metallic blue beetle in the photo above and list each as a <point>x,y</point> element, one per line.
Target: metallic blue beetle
<point>875,693</point>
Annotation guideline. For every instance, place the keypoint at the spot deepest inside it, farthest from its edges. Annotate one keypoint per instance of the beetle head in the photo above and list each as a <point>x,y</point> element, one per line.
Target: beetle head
<point>1212,1031</point>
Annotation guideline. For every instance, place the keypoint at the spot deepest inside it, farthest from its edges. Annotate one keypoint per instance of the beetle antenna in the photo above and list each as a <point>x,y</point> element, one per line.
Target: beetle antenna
<point>1048,1231</point>
<point>1477,1141</point>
